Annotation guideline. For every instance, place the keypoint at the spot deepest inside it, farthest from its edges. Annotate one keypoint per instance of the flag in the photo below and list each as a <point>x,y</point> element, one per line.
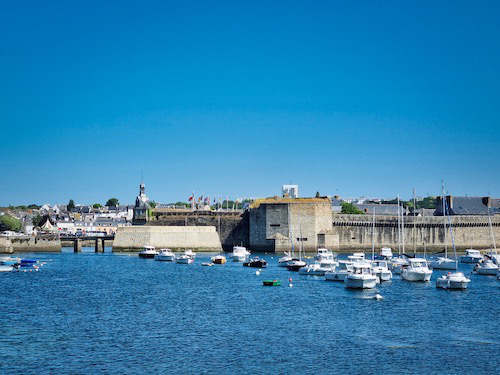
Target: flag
<point>190,198</point>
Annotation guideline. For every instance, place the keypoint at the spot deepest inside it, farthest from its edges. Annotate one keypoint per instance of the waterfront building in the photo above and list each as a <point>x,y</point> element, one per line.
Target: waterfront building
<point>141,206</point>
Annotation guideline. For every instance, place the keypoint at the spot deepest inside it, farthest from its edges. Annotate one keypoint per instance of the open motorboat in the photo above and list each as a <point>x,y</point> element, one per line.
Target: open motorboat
<point>256,263</point>
<point>240,254</point>
<point>6,268</point>
<point>361,277</point>
<point>452,280</point>
<point>416,270</point>
<point>381,270</point>
<point>316,269</point>
<point>165,255</point>
<point>486,267</point>
<point>443,263</point>
<point>295,265</point>
<point>218,259</point>
<point>148,252</point>
<point>340,272</point>
<point>471,256</point>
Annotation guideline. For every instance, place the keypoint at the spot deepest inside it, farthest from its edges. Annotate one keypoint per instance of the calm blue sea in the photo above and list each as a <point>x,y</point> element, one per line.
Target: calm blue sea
<point>109,313</point>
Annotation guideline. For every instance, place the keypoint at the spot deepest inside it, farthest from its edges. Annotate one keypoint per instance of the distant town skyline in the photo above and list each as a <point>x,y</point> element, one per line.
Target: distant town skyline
<point>235,100</point>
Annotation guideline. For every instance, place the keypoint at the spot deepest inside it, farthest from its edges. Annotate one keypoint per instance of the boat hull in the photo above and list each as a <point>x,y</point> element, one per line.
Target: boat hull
<point>444,265</point>
<point>335,276</point>
<point>165,258</point>
<point>4,268</point>
<point>239,258</point>
<point>384,275</point>
<point>184,260</point>
<point>451,284</point>
<point>360,283</point>
<point>487,271</point>
<point>147,255</point>
<point>469,260</point>
<point>409,275</point>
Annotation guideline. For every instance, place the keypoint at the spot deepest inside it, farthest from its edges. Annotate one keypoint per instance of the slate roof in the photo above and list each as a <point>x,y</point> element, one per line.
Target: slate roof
<point>380,209</point>
<point>468,206</point>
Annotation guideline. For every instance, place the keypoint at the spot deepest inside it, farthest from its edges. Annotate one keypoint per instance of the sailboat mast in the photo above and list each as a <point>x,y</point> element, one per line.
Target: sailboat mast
<point>414,223</point>
<point>402,228</point>
<point>491,231</point>
<point>373,235</point>
<point>399,230</point>
<point>444,219</point>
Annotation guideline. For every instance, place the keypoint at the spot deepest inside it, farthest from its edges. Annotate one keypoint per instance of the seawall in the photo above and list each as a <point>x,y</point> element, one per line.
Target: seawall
<point>231,226</point>
<point>134,238</point>
<point>355,232</point>
<point>42,243</point>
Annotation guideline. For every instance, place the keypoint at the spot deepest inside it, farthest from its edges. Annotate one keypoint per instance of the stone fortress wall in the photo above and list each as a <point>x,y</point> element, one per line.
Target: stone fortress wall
<point>134,238</point>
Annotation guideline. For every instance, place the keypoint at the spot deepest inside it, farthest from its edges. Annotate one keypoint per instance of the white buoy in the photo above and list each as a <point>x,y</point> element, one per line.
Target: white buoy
<point>257,272</point>
<point>378,297</point>
<point>290,285</point>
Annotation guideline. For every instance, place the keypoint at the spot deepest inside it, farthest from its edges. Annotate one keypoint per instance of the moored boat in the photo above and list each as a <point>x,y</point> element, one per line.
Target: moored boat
<point>316,269</point>
<point>165,255</point>
<point>471,256</point>
<point>184,259</point>
<point>271,282</point>
<point>256,263</point>
<point>218,259</point>
<point>361,277</point>
<point>295,265</point>
<point>452,280</point>
<point>443,263</point>
<point>148,252</point>
<point>340,272</point>
<point>240,253</point>
<point>486,267</point>
<point>381,270</point>
<point>416,270</point>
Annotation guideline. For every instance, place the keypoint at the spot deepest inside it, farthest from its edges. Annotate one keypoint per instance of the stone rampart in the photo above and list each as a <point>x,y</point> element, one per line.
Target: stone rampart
<point>43,242</point>
<point>355,232</point>
<point>134,238</point>
<point>232,227</point>
<point>6,246</point>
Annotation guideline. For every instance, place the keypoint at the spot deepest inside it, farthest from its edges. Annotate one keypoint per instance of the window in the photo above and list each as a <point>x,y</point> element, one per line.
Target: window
<point>301,239</point>
<point>275,225</point>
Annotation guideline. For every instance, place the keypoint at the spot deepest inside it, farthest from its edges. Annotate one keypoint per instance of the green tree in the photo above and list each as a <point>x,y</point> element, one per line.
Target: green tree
<point>349,208</point>
<point>34,206</point>
<point>71,205</point>
<point>8,222</point>
<point>37,220</point>
<point>112,202</point>
<point>152,204</point>
<point>96,205</point>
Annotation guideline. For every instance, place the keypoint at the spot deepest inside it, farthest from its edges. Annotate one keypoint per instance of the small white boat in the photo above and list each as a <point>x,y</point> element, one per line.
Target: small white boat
<point>6,268</point>
<point>340,272</point>
<point>148,252</point>
<point>381,270</point>
<point>325,256</point>
<point>315,269</point>
<point>386,253</point>
<point>184,259</point>
<point>165,255</point>
<point>295,265</point>
<point>207,264</point>
<point>396,264</point>
<point>416,270</point>
<point>486,267</point>
<point>240,254</point>
<point>361,277</point>
<point>452,280</point>
<point>471,256</point>
<point>443,263</point>
<point>283,261</point>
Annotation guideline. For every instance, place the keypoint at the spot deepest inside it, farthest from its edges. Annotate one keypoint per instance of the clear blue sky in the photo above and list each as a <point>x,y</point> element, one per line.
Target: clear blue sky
<point>351,98</point>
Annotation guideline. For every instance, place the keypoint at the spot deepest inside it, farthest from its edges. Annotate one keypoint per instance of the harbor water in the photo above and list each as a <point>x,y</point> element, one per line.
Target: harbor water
<point>110,313</point>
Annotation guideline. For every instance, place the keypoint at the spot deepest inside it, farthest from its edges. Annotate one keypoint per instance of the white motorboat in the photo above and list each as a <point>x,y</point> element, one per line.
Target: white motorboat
<point>283,261</point>
<point>443,263</point>
<point>340,272</point>
<point>471,256</point>
<point>486,267</point>
<point>6,268</point>
<point>416,270</point>
<point>452,280</point>
<point>325,256</point>
<point>361,277</point>
<point>386,253</point>
<point>165,255</point>
<point>295,265</point>
<point>316,269</point>
<point>396,264</point>
<point>381,270</point>
<point>356,257</point>
<point>494,256</point>
<point>184,259</point>
<point>240,254</point>
<point>148,252</point>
